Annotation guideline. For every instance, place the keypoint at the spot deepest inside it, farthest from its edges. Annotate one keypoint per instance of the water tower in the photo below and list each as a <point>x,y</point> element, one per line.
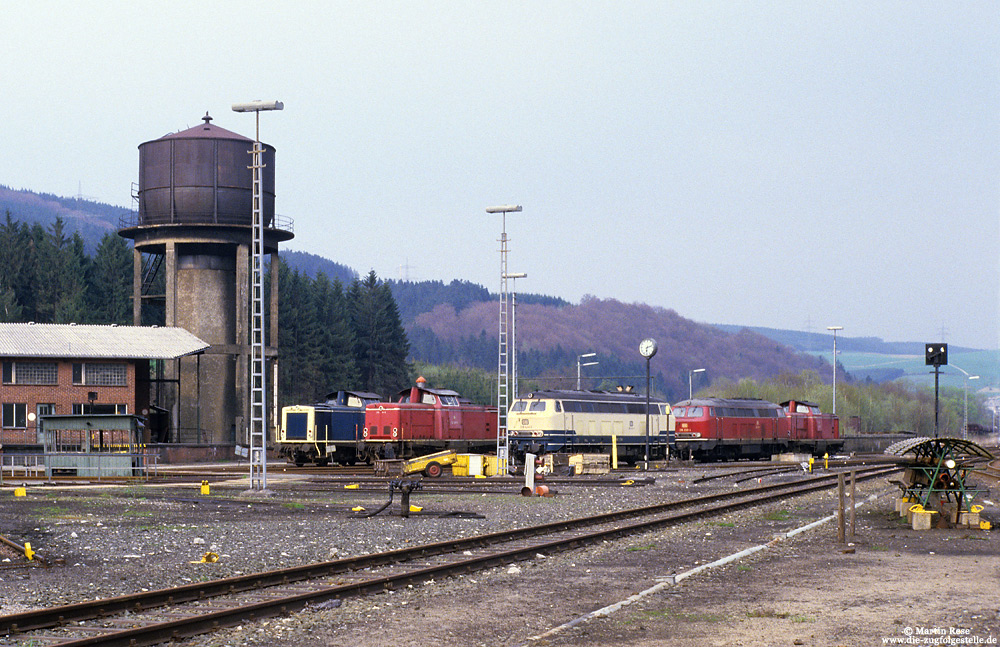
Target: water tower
<point>193,229</point>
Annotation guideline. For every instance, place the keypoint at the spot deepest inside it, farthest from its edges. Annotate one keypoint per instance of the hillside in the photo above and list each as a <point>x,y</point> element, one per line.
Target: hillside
<point>92,219</point>
<point>551,337</point>
<point>456,323</point>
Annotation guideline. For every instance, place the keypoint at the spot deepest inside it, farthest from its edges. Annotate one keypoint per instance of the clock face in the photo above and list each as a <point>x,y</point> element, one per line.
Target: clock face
<point>647,348</point>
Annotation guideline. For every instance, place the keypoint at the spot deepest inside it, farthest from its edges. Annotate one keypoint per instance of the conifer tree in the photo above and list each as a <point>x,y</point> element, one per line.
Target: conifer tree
<point>380,344</point>
<point>111,282</point>
<point>337,368</point>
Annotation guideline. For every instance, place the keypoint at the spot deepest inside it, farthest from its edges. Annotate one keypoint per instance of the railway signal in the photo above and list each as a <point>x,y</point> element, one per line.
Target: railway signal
<point>936,355</point>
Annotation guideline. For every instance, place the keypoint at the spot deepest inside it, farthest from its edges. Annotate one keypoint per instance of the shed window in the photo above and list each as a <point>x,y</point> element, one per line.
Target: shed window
<point>30,373</point>
<point>15,415</point>
<point>95,374</point>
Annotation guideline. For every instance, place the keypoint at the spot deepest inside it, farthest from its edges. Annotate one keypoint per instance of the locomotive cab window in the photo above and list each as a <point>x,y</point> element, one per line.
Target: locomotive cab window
<point>428,398</point>
<point>449,400</point>
<point>354,401</point>
<point>517,406</point>
<point>801,408</point>
<point>538,405</point>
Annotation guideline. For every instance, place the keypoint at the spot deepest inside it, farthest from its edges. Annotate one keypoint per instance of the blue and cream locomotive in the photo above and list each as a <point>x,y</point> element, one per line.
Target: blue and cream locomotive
<point>325,432</point>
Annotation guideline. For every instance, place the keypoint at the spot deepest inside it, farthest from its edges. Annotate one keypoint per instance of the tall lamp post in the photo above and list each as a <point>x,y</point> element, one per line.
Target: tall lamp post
<point>647,348</point>
<point>834,329</point>
<point>503,361</point>
<point>513,329</point>
<point>965,423</point>
<point>578,365</point>
<point>690,375</point>
<point>258,414</point>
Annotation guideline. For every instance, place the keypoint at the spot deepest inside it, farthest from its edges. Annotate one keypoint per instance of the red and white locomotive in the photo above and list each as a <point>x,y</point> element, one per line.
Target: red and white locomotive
<point>718,428</point>
<point>422,420</point>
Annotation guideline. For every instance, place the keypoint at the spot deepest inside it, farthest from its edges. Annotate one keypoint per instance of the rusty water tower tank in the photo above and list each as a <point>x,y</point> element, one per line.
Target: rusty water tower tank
<point>201,175</point>
<point>193,226</point>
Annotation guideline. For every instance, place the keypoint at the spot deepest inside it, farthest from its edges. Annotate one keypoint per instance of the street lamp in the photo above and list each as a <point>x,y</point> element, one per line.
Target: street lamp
<point>258,415</point>
<point>965,424</point>
<point>834,329</point>
<point>513,328</point>
<point>578,365</point>
<point>690,375</point>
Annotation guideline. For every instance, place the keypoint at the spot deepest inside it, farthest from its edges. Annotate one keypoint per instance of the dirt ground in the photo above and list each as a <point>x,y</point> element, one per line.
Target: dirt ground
<point>888,584</point>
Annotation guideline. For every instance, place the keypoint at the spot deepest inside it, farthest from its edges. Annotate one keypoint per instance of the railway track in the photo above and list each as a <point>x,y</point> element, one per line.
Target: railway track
<point>158,616</point>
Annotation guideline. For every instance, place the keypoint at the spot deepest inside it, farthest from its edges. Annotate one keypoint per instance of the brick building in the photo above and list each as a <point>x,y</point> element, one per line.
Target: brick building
<point>74,369</point>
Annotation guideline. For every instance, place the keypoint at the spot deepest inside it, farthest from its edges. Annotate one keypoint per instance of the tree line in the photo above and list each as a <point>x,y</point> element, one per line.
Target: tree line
<point>47,276</point>
<point>334,338</point>
<point>331,336</point>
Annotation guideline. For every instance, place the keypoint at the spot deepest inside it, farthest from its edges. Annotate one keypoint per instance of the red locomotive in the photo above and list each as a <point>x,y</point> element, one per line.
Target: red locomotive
<point>717,428</point>
<point>422,419</point>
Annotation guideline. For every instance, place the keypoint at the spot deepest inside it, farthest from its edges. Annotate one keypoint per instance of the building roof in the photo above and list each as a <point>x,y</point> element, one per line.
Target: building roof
<point>96,342</point>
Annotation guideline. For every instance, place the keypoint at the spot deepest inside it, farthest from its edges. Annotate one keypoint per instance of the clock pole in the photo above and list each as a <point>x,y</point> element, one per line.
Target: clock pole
<point>647,348</point>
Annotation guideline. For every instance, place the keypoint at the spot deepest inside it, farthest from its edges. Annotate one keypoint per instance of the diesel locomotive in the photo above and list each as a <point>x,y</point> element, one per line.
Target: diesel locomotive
<point>327,431</point>
<point>422,419</point>
<point>718,428</point>
<point>589,421</point>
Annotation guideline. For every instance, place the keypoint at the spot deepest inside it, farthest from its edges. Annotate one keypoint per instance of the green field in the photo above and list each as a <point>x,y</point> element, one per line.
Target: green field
<point>985,364</point>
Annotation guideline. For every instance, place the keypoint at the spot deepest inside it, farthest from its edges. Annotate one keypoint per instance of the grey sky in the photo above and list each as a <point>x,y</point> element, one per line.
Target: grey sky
<point>786,164</point>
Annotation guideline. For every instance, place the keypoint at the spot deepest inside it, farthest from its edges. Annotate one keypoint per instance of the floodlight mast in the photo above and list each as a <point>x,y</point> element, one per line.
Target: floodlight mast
<point>258,344</point>
<point>503,361</point>
<point>513,329</point>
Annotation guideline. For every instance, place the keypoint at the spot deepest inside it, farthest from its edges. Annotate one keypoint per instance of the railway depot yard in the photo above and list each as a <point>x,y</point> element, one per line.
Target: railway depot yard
<point>888,584</point>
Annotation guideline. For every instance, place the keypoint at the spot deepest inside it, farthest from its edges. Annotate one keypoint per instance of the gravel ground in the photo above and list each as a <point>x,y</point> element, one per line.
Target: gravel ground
<point>803,590</point>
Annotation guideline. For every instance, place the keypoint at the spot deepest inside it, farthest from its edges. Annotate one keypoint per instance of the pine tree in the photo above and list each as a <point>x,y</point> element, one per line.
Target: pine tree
<point>337,368</point>
<point>19,268</point>
<point>298,376</point>
<point>380,344</point>
<point>111,282</point>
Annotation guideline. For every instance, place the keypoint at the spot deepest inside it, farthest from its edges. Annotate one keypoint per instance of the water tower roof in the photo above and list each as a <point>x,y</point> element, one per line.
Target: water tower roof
<point>206,131</point>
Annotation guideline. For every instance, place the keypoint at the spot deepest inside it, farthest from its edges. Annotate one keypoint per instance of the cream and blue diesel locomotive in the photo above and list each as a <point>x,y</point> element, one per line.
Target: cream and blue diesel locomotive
<point>325,432</point>
<point>589,422</point>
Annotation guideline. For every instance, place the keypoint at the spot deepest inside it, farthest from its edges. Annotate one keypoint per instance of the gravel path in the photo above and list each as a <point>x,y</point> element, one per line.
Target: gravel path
<point>807,589</point>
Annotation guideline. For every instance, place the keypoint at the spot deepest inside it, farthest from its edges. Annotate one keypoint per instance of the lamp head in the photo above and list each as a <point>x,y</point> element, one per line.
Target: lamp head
<point>257,106</point>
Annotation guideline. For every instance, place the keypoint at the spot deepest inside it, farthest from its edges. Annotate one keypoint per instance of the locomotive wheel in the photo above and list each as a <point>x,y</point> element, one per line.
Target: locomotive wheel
<point>323,462</point>
<point>433,470</point>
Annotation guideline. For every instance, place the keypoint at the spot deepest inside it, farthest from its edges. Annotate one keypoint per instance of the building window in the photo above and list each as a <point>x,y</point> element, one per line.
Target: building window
<point>15,415</point>
<point>93,374</point>
<point>30,373</point>
<point>86,408</point>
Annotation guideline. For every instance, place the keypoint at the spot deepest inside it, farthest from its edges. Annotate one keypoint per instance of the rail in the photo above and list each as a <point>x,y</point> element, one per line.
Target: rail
<point>458,556</point>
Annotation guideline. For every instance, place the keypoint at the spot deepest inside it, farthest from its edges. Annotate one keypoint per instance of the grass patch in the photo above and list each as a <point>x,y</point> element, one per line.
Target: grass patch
<point>670,614</point>
<point>635,548</point>
<point>779,515</point>
<point>723,524</point>
<point>53,511</point>
<point>782,615</point>
<point>137,513</point>
<point>744,568</point>
<point>294,505</point>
